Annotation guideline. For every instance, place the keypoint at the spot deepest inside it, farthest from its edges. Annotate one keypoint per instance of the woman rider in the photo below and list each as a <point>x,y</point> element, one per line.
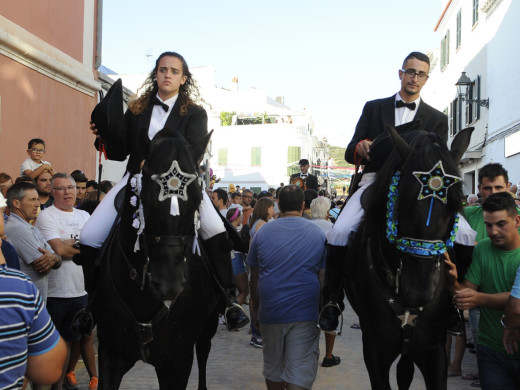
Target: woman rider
<point>166,105</point>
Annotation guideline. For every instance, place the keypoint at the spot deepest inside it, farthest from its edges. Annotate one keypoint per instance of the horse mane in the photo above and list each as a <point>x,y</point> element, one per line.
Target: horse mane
<point>427,149</point>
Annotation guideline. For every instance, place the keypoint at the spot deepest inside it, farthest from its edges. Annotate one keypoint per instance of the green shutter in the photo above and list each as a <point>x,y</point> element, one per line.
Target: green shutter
<point>222,156</point>
<point>293,154</point>
<point>256,155</point>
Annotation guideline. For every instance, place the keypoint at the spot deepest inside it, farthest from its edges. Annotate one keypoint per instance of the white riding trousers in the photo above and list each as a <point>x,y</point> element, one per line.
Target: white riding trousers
<point>353,213</point>
<point>98,226</point>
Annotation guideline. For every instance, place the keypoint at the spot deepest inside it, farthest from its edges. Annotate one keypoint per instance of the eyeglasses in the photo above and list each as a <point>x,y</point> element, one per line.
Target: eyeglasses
<point>68,188</point>
<point>37,150</point>
<point>412,73</point>
<point>247,196</point>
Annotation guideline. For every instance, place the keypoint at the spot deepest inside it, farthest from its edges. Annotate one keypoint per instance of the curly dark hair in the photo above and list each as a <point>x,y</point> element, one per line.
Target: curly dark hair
<point>188,92</point>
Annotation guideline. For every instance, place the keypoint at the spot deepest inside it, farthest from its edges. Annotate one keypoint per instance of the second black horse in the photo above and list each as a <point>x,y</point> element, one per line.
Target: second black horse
<point>395,276</point>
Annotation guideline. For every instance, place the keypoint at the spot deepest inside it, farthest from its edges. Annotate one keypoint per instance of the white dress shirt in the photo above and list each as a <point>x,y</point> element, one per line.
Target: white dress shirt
<point>159,116</point>
<point>404,114</point>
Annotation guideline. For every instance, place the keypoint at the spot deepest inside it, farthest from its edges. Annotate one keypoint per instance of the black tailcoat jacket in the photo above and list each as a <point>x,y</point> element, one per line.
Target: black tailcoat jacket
<point>135,142</point>
<point>378,114</point>
<point>310,184</point>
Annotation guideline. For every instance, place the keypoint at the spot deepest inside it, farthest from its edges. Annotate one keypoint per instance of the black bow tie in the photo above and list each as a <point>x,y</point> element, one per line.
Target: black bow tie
<point>400,104</point>
<point>165,107</point>
<point>303,175</point>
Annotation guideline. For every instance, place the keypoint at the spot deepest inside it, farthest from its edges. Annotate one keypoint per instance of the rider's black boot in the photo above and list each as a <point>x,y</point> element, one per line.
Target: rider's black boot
<point>456,325</point>
<point>332,290</point>
<point>83,321</point>
<point>87,259</point>
<point>218,249</point>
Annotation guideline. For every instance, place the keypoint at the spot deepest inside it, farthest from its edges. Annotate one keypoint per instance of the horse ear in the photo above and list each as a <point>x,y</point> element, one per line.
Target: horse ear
<point>399,143</point>
<point>460,143</point>
<point>199,147</point>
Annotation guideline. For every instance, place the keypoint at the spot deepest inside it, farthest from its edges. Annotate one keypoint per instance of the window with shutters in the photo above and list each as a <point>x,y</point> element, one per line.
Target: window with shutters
<point>459,29</point>
<point>475,12</point>
<point>455,117</point>
<point>445,50</point>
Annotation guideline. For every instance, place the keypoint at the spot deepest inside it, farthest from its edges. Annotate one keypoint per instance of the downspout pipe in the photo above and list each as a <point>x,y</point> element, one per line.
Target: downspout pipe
<point>99,33</point>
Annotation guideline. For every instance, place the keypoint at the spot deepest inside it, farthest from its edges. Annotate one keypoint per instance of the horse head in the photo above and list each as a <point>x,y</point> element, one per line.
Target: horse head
<point>424,192</point>
<point>170,196</point>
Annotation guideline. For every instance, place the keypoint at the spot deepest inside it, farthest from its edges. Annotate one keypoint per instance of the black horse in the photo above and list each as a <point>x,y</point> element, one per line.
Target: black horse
<point>156,299</point>
<point>395,277</point>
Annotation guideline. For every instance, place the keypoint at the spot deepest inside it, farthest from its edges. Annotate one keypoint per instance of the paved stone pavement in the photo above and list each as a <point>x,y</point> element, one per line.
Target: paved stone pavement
<point>235,365</point>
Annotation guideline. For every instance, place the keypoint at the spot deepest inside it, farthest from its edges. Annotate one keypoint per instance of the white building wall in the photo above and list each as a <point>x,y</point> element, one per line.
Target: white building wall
<point>274,139</point>
<point>488,49</point>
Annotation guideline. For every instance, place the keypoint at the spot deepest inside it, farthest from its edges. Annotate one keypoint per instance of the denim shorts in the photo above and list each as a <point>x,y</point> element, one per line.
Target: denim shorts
<point>238,264</point>
<point>62,312</point>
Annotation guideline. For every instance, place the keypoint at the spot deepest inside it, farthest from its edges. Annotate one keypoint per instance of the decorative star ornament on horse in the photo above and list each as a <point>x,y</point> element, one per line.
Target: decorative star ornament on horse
<point>174,182</point>
<point>435,183</point>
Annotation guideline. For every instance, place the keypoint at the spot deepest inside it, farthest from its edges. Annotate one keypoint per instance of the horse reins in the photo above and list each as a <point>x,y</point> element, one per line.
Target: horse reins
<point>407,315</point>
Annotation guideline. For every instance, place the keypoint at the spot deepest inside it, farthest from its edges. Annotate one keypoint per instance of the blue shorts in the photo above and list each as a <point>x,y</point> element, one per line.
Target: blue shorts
<point>62,312</point>
<point>238,264</point>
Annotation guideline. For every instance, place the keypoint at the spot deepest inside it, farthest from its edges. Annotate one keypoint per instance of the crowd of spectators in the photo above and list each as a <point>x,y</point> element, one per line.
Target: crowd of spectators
<point>43,213</point>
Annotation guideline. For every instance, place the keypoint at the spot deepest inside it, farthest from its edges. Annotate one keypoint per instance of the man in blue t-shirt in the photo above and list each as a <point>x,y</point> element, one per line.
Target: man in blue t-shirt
<point>287,260</point>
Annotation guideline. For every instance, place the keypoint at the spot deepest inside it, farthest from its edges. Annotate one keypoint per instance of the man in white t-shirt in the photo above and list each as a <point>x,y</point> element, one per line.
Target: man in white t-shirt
<point>60,224</point>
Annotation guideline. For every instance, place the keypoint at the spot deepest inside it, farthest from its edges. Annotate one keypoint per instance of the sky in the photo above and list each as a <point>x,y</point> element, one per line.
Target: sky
<point>328,56</point>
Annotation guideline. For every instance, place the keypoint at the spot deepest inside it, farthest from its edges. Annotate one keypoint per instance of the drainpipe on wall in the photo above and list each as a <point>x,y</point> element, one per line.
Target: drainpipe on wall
<point>99,33</point>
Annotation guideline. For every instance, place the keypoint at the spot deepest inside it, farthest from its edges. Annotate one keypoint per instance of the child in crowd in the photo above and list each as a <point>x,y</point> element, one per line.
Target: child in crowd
<point>34,165</point>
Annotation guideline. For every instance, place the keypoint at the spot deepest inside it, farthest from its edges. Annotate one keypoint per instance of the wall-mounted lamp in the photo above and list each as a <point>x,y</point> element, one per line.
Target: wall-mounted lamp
<point>462,85</point>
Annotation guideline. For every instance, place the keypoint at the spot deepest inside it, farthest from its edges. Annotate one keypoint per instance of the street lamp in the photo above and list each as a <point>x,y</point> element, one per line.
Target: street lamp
<point>463,85</point>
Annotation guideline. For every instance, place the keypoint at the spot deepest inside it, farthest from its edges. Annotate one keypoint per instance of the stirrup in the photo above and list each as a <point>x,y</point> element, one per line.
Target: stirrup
<point>237,325</point>
<point>339,329</point>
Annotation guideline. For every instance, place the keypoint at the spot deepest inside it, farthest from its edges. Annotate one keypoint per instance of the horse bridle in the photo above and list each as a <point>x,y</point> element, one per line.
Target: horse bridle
<point>414,246</point>
<point>154,239</point>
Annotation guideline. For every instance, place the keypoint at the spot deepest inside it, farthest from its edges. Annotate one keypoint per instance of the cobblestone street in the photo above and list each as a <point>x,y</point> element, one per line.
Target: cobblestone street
<point>235,365</point>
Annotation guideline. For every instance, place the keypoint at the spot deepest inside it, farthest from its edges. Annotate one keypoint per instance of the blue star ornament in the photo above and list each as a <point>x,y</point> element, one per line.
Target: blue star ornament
<point>174,182</point>
<point>435,183</point>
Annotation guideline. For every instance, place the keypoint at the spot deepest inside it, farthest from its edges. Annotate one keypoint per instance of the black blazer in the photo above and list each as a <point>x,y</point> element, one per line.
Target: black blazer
<point>310,184</point>
<point>135,142</point>
<point>377,114</point>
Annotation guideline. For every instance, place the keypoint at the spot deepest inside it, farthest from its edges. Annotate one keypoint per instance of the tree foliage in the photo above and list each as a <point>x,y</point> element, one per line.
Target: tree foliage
<point>226,118</point>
